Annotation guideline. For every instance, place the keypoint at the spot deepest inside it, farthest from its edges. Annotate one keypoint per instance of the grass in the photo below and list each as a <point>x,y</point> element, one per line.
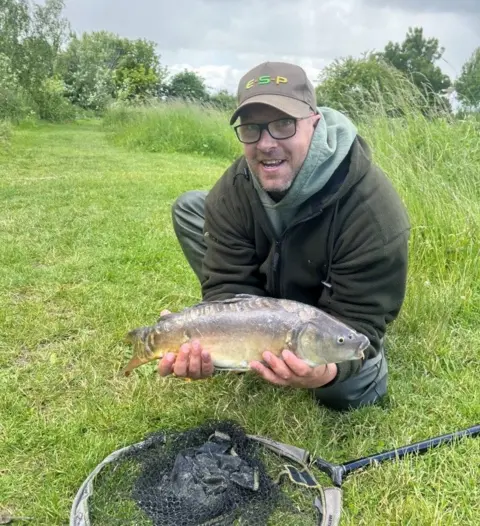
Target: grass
<point>178,127</point>
<point>87,252</point>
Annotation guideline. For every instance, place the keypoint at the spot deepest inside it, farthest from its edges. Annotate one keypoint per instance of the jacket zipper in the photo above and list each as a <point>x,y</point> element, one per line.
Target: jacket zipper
<point>276,269</point>
<point>277,288</point>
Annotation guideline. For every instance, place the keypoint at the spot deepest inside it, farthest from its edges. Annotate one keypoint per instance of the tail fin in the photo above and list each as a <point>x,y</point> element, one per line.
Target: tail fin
<point>134,337</point>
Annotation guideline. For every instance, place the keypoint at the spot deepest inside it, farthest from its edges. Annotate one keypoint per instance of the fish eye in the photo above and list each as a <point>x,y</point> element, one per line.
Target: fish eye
<point>340,339</point>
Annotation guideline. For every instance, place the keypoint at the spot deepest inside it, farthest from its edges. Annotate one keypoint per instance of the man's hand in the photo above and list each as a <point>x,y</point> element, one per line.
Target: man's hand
<point>191,362</point>
<point>293,372</point>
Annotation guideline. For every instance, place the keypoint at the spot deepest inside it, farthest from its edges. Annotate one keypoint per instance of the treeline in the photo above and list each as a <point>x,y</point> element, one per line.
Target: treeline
<point>403,75</point>
<point>49,72</point>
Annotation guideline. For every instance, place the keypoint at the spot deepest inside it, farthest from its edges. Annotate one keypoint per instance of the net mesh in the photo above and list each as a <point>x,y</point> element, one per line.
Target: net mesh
<point>210,475</point>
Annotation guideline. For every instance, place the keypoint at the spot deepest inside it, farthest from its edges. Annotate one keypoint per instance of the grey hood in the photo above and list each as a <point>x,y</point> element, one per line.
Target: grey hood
<point>331,142</point>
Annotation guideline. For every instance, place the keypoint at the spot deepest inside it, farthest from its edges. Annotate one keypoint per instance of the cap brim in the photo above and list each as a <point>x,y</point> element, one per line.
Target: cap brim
<point>293,107</point>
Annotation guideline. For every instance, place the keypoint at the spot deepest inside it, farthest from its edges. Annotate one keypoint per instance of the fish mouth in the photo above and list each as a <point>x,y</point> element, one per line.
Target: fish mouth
<point>364,344</point>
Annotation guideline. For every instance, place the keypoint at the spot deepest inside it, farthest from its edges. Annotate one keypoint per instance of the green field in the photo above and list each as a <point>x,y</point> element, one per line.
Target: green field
<point>87,252</point>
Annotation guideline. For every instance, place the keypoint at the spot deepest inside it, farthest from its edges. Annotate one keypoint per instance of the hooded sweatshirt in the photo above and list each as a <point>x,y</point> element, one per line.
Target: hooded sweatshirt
<point>331,142</point>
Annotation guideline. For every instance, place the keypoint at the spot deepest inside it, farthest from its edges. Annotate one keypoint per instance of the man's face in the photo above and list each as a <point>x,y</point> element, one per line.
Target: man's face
<point>276,162</point>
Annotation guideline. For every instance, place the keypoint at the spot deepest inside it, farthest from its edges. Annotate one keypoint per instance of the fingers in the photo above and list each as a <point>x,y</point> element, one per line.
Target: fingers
<point>201,364</point>
<point>207,364</point>
<point>287,370</point>
<point>181,364</point>
<point>267,374</point>
<point>278,366</point>
<point>165,366</point>
<point>195,365</point>
<point>297,367</point>
<point>191,362</point>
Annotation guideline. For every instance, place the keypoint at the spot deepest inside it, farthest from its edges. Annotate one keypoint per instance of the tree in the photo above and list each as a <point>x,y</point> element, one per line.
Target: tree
<point>100,67</point>
<point>15,102</point>
<point>31,36</point>
<point>416,57</point>
<point>138,74</point>
<point>468,84</point>
<point>87,69</point>
<point>224,101</point>
<point>187,85</point>
<point>14,28</point>
<point>364,86</point>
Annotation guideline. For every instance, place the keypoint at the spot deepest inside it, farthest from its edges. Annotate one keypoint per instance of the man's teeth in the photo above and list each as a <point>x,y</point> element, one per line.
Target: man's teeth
<point>272,163</point>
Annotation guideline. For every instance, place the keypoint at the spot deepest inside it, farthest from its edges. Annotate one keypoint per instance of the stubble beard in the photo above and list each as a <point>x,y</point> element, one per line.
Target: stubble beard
<point>280,189</point>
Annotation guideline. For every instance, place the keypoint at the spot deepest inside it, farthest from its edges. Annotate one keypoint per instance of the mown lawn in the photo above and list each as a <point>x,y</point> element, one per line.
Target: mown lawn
<point>87,252</point>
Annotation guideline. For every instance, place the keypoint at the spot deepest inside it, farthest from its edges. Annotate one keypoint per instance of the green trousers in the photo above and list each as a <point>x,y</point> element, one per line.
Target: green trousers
<point>366,388</point>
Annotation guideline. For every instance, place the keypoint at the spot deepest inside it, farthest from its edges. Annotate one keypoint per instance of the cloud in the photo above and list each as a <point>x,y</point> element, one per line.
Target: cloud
<point>438,6</point>
<point>222,39</point>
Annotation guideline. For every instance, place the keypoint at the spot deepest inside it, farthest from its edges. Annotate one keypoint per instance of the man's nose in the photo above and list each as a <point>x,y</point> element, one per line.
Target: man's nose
<point>266,141</point>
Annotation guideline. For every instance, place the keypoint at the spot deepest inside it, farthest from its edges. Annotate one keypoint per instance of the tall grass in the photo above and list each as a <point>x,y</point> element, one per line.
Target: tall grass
<point>434,164</point>
<point>372,86</point>
<point>173,127</point>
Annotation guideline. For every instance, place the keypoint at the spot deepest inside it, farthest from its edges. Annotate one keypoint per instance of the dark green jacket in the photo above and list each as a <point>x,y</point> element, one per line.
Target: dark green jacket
<point>346,252</point>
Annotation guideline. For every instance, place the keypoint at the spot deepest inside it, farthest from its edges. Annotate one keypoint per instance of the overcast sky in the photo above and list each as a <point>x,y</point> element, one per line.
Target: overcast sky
<point>222,39</point>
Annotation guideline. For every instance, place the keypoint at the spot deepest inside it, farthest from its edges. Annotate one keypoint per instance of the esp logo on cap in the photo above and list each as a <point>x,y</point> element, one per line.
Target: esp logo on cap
<point>265,79</point>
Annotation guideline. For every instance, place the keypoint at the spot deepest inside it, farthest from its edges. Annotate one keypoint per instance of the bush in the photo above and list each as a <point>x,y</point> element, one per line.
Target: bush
<point>369,86</point>
<point>51,102</point>
<point>15,103</point>
<point>6,131</point>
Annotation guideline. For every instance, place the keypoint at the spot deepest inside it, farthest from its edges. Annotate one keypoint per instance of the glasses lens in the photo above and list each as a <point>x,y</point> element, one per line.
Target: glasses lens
<point>248,132</point>
<point>282,129</point>
<point>279,129</point>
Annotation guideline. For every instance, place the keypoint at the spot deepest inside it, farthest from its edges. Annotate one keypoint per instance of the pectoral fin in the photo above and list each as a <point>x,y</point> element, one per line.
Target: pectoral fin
<point>132,364</point>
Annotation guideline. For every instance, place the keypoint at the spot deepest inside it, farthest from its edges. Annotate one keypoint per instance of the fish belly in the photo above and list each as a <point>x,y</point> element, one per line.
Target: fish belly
<point>230,352</point>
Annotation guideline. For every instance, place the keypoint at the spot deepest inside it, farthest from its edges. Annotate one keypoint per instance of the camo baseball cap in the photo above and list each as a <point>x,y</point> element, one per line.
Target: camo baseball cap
<point>278,84</point>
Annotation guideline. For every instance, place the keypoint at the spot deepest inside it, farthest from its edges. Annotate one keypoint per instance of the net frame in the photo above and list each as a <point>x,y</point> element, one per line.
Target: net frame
<point>325,498</point>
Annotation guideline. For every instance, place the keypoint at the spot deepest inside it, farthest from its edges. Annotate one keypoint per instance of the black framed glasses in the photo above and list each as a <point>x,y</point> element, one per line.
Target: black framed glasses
<point>278,129</point>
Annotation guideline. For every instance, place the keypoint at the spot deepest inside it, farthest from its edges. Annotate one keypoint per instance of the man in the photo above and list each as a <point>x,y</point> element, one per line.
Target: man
<point>304,214</point>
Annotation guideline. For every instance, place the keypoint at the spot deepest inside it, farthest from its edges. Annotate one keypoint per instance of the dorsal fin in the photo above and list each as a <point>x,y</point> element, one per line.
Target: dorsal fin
<point>234,299</point>
<point>227,301</point>
<point>165,316</point>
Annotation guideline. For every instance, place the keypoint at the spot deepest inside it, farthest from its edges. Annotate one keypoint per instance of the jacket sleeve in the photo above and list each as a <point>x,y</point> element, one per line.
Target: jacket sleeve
<point>230,264</point>
<point>367,289</point>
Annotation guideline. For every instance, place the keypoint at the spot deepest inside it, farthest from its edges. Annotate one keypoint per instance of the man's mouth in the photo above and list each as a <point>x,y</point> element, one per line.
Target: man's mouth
<point>271,165</point>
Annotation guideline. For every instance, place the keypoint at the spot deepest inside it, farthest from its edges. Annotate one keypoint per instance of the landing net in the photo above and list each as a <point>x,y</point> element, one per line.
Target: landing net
<point>212,475</point>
